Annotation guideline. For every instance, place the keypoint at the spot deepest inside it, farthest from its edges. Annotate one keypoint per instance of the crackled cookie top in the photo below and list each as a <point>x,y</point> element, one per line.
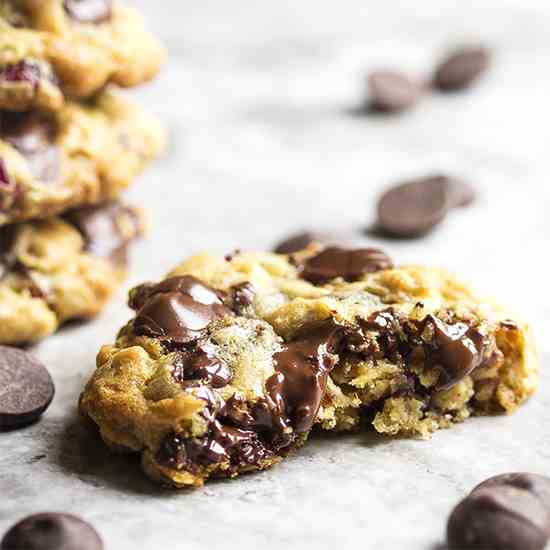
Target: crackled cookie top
<point>58,269</point>
<point>230,362</point>
<point>53,48</point>
<point>82,154</point>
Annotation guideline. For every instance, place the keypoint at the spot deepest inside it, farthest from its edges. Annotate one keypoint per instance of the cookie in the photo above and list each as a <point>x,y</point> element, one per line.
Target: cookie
<point>58,269</point>
<point>55,48</point>
<point>230,362</point>
<point>82,154</point>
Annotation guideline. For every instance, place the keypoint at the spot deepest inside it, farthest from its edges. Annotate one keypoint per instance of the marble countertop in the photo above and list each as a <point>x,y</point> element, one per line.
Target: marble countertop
<point>260,101</point>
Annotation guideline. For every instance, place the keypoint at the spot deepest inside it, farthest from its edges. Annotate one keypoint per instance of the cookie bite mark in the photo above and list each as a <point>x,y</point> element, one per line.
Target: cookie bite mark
<point>108,229</point>
<point>176,310</point>
<point>89,11</point>
<point>33,136</point>
<point>349,264</point>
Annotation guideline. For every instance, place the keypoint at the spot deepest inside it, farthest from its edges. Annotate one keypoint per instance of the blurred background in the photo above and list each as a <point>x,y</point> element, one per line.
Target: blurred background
<point>260,98</point>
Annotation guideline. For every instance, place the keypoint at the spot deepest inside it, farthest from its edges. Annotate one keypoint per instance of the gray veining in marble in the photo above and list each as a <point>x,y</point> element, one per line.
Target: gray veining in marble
<point>259,98</point>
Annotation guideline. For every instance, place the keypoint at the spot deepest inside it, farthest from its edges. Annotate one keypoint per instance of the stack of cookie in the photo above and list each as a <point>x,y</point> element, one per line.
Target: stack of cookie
<point>69,145</point>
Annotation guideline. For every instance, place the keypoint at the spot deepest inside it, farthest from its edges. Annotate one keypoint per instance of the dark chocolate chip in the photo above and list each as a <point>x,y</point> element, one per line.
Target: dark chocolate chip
<point>535,484</point>
<point>461,68</point>
<point>33,135</point>
<point>390,91</point>
<point>89,11</point>
<point>299,241</point>
<point>499,517</point>
<point>108,229</point>
<point>52,531</point>
<point>26,388</point>
<point>177,309</point>
<point>350,264</point>
<point>413,208</point>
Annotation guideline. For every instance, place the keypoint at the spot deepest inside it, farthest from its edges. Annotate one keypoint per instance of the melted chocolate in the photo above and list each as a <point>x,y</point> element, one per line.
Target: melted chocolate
<point>350,264</point>
<point>455,350</point>
<point>301,371</point>
<point>177,309</point>
<point>33,136</point>
<point>201,363</point>
<point>89,11</point>
<point>245,434</point>
<point>100,226</point>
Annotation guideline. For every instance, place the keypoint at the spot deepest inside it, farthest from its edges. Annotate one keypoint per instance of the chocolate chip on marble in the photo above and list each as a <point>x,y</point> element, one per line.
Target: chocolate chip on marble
<point>350,264</point>
<point>89,11</point>
<point>460,69</point>
<point>413,208</point>
<point>52,531</point>
<point>507,512</point>
<point>390,91</point>
<point>26,388</point>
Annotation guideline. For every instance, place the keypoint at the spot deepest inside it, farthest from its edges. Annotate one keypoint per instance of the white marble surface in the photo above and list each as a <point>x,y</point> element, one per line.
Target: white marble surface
<point>259,98</point>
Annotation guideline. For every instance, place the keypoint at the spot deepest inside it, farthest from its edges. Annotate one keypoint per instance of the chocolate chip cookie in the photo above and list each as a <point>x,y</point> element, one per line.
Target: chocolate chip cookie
<point>58,269</point>
<point>230,362</point>
<point>56,48</point>
<point>81,154</point>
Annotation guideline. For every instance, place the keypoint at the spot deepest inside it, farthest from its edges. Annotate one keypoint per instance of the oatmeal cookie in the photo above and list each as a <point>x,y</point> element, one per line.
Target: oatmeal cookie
<point>58,269</point>
<point>230,362</point>
<point>82,154</point>
<point>50,49</point>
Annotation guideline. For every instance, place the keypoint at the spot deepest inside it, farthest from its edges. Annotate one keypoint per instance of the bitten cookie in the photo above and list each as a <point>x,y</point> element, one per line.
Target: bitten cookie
<point>55,48</point>
<point>58,269</point>
<point>82,154</point>
<point>230,362</point>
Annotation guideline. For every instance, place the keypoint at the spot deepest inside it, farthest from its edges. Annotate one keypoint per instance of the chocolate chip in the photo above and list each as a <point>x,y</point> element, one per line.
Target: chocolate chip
<point>201,363</point>
<point>22,71</point>
<point>390,91</point>
<point>535,484</point>
<point>299,241</point>
<point>33,135</point>
<point>26,388</point>
<point>461,68</point>
<point>243,296</point>
<point>177,309</point>
<point>108,229</point>
<point>499,517</point>
<point>89,11</point>
<point>350,264</point>
<point>413,208</point>
<point>52,531</point>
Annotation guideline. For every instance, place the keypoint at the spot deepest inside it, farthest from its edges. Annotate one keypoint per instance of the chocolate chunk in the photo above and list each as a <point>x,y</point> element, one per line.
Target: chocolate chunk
<point>52,531</point>
<point>350,264</point>
<point>413,208</point>
<point>201,363</point>
<point>499,517</point>
<point>535,484</point>
<point>33,135</point>
<point>390,91</point>
<point>89,11</point>
<point>453,349</point>
<point>107,229</point>
<point>177,309</point>
<point>461,68</point>
<point>26,388</point>
<point>301,371</point>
